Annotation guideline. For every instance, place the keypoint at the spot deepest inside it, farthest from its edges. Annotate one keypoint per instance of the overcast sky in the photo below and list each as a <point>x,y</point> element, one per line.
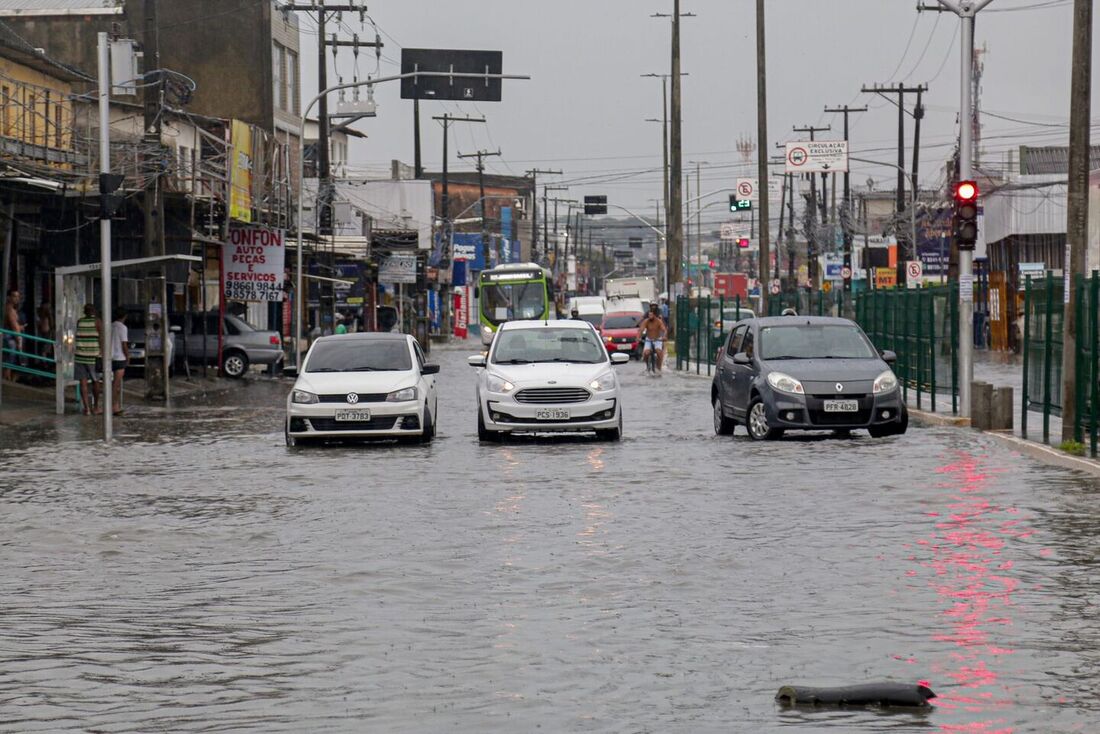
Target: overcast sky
<point>584,109</point>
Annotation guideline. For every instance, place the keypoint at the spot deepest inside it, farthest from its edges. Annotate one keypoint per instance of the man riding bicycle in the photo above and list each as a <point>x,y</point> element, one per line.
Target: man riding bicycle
<point>653,331</point>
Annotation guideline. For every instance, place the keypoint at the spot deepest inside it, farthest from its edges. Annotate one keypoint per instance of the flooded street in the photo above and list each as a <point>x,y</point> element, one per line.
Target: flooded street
<point>200,576</point>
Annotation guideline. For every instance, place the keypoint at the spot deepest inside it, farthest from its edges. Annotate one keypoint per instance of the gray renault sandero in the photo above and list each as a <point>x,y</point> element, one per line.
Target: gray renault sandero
<point>806,374</point>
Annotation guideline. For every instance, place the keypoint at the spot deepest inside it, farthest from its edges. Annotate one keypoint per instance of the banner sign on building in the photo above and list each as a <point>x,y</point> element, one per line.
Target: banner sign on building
<point>398,269</point>
<point>253,263</point>
<point>240,175</point>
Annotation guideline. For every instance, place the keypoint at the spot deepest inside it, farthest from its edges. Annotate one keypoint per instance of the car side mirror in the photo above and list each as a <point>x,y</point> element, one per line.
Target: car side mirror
<point>291,371</point>
<point>742,358</point>
<point>889,357</point>
<point>429,369</point>
<point>476,360</point>
<point>620,358</point>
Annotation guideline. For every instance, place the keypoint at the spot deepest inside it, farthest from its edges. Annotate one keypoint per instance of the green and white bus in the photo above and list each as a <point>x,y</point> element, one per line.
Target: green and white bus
<point>513,292</point>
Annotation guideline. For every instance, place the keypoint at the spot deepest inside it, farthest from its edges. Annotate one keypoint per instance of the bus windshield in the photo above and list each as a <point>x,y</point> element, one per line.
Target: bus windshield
<point>502,302</point>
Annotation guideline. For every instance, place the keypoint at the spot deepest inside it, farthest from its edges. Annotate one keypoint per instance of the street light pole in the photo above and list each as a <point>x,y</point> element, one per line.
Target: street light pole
<point>966,10</point>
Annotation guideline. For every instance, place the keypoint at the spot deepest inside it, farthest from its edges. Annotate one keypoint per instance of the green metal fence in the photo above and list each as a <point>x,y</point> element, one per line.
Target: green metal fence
<point>1043,341</point>
<point>702,325</point>
<point>921,326</point>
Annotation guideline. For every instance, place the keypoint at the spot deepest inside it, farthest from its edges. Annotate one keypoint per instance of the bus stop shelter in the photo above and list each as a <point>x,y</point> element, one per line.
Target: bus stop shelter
<point>74,286</point>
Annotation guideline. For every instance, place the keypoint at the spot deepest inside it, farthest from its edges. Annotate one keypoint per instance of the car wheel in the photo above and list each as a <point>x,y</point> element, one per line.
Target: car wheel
<point>723,426</point>
<point>612,434</point>
<point>291,441</point>
<point>235,364</point>
<point>757,423</point>
<point>428,431</point>
<point>483,433</point>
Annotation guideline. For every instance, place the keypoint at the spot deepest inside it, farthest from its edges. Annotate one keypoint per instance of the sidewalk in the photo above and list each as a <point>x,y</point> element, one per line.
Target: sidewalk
<point>23,403</point>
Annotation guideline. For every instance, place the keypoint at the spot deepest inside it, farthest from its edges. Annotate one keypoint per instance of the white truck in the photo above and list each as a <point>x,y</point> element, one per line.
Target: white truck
<point>622,288</point>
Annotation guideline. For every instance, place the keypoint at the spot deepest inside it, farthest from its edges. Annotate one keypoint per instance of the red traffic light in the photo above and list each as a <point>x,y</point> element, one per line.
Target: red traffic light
<point>743,242</point>
<point>966,191</point>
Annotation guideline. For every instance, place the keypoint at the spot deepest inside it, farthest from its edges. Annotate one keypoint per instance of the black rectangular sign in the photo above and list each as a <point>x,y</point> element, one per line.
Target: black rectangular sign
<point>456,88</point>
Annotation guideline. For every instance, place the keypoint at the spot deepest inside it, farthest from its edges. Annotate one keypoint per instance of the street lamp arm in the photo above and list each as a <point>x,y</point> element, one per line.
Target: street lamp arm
<point>640,219</point>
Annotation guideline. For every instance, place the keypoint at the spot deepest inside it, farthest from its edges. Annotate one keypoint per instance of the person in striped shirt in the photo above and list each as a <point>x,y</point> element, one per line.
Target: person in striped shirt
<point>87,360</point>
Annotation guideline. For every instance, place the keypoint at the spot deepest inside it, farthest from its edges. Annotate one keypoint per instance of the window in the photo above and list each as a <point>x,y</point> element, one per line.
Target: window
<point>747,344</point>
<point>30,131</point>
<point>277,60</point>
<point>58,133</point>
<point>291,98</point>
<point>5,97</point>
<point>735,340</point>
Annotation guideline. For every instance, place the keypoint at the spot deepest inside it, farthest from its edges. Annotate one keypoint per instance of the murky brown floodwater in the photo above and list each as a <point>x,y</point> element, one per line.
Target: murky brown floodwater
<point>199,577</point>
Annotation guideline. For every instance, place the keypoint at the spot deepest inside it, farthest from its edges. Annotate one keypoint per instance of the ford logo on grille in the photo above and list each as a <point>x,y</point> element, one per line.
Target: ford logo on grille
<point>551,382</point>
<point>353,398</point>
<point>839,387</point>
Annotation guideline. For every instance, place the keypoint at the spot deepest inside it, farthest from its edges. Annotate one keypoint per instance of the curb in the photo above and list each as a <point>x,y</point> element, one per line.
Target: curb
<point>938,419</point>
<point>1046,454</point>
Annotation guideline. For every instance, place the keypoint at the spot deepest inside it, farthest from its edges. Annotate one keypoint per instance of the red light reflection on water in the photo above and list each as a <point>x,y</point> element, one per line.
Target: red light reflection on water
<point>969,574</point>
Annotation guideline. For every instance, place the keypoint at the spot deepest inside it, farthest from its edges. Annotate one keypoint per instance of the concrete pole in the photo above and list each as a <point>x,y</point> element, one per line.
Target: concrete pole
<point>966,257</point>
<point>104,73</point>
<point>676,173</point>
<point>762,182</point>
<point>1077,216</point>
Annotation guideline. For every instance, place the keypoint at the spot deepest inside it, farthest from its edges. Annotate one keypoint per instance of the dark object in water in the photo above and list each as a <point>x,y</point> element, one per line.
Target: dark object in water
<point>905,695</point>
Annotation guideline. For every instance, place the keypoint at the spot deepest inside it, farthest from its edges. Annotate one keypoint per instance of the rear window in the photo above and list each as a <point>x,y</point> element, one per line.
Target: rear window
<point>360,355</point>
<point>622,322</point>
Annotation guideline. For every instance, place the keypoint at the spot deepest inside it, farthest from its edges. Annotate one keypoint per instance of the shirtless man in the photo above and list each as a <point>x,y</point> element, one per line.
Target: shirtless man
<point>12,341</point>
<point>653,333</point>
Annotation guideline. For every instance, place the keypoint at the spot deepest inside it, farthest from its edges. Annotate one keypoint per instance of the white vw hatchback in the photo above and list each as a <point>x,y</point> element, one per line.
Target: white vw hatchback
<point>363,386</point>
<point>548,376</point>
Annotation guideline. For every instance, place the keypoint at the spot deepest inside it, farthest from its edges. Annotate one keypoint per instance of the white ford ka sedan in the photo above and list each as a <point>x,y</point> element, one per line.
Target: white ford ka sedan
<point>363,386</point>
<point>548,377</point>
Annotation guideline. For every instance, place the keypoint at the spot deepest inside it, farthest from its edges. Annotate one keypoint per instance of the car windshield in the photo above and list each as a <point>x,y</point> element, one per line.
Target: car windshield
<point>630,321</point>
<point>503,302</point>
<point>524,346</point>
<point>814,341</point>
<point>359,355</point>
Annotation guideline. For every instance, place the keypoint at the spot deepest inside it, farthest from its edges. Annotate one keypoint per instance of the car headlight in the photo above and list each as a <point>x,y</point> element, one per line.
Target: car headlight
<point>402,396</point>
<point>604,382</point>
<point>785,383</point>
<point>496,383</point>
<point>301,397</point>
<point>886,382</point>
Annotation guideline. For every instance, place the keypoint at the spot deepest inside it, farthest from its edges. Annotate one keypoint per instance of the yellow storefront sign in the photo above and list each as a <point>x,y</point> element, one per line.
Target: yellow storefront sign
<point>886,278</point>
<point>240,195</point>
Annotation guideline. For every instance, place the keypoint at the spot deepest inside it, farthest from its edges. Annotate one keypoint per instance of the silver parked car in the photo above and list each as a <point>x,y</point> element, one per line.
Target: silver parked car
<point>243,344</point>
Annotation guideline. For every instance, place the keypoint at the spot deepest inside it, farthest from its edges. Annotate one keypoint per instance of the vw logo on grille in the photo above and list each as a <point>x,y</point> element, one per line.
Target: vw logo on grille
<point>839,387</point>
<point>353,398</point>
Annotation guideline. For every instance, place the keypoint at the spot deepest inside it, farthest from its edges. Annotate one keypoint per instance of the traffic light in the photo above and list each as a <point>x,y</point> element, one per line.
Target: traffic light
<point>712,264</point>
<point>743,243</point>
<point>740,205</point>
<point>965,223</point>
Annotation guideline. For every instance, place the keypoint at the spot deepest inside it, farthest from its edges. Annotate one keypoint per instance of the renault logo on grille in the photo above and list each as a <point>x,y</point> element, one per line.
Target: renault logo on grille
<point>839,387</point>
<point>353,398</point>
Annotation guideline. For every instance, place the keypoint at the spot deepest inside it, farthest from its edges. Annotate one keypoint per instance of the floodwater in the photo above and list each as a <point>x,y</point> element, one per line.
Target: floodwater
<point>200,576</point>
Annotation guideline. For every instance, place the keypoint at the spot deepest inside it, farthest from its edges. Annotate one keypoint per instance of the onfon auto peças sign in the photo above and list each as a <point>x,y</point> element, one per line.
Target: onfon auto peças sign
<point>253,263</point>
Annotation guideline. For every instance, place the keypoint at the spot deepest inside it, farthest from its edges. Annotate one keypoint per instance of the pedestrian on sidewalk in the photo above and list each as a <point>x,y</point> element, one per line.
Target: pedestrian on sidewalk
<point>13,336</point>
<point>341,327</point>
<point>87,360</point>
<point>120,356</point>
<point>44,328</point>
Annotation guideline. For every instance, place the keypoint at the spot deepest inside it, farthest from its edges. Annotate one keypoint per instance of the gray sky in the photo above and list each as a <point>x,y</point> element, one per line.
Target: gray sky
<point>584,110</point>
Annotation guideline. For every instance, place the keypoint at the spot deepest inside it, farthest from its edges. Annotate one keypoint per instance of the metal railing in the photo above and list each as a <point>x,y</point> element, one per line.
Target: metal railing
<point>702,325</point>
<point>19,360</point>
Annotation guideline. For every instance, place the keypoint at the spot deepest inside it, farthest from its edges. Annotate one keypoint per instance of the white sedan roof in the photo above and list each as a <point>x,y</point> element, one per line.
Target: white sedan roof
<point>551,324</point>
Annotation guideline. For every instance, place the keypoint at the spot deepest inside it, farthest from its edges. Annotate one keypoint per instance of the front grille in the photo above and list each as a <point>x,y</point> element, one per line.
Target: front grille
<point>505,418</point>
<point>363,398</point>
<point>381,423</point>
<point>839,396</point>
<point>552,395</point>
<point>623,340</point>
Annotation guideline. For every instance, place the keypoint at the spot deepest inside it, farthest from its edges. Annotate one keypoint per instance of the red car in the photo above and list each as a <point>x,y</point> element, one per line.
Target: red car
<point>620,332</point>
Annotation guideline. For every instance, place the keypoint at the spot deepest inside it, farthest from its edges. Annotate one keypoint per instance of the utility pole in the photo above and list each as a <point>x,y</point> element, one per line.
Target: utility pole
<point>811,234</point>
<point>966,10</point>
<point>156,371</point>
<point>846,211</point>
<point>664,148</point>
<point>481,155</point>
<point>445,195</point>
<point>534,173</point>
<point>762,153</point>
<point>902,203</point>
<point>675,174</point>
<point>1077,216</point>
<point>546,221</point>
